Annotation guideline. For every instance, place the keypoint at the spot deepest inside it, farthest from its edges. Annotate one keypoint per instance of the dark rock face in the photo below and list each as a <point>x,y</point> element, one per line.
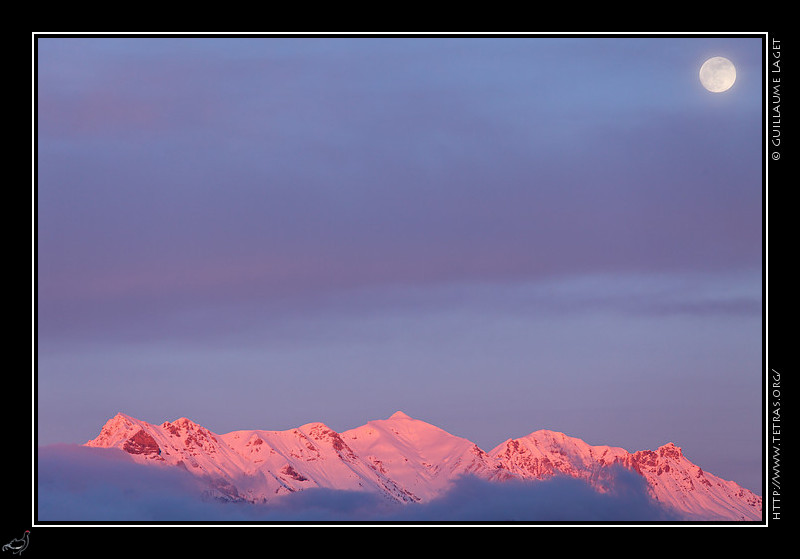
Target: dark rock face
<point>142,443</point>
<point>670,451</point>
<point>292,473</point>
<point>328,436</point>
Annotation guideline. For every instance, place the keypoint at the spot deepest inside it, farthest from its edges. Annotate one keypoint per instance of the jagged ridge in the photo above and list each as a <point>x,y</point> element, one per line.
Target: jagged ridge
<point>407,460</point>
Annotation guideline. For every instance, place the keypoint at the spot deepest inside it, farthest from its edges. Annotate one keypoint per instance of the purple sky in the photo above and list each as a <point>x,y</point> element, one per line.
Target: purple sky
<point>493,235</point>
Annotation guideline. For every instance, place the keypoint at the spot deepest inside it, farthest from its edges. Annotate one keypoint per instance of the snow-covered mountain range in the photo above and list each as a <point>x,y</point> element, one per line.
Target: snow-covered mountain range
<point>407,460</point>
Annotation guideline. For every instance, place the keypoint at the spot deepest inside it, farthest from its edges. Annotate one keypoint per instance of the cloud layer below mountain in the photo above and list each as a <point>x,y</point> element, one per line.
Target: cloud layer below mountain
<point>80,484</point>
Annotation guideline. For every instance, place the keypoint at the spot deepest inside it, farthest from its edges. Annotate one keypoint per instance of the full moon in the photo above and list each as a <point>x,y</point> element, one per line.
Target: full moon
<point>717,74</point>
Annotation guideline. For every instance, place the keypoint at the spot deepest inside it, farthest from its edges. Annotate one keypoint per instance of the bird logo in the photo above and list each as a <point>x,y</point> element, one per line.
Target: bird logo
<point>17,546</point>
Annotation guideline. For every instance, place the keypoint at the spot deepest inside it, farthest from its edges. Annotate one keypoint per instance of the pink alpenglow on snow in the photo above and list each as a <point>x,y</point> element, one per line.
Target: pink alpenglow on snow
<point>408,461</point>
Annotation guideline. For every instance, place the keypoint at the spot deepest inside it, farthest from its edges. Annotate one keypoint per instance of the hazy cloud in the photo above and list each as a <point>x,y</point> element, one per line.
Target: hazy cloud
<point>85,484</point>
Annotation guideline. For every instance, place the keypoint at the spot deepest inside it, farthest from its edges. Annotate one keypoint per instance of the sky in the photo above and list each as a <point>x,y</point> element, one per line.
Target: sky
<point>494,235</point>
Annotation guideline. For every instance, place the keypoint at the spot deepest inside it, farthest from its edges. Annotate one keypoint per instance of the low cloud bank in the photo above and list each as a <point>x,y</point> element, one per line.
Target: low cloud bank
<point>81,484</point>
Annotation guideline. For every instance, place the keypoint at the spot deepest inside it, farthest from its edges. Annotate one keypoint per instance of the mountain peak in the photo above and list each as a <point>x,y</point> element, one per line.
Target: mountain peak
<point>670,450</point>
<point>185,422</point>
<point>399,415</point>
<point>121,418</point>
<point>116,429</point>
<point>181,425</point>
<point>121,421</point>
<point>315,426</point>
